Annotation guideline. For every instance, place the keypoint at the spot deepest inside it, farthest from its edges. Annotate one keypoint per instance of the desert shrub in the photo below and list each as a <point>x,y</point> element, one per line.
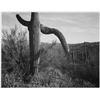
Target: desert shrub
<point>46,57</point>
<point>15,53</point>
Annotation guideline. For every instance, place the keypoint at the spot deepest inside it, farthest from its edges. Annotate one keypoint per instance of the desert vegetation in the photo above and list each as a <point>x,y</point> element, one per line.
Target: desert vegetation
<point>54,70</point>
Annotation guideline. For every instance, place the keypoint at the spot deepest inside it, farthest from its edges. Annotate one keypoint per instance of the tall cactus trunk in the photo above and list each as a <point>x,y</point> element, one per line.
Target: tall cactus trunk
<point>34,41</point>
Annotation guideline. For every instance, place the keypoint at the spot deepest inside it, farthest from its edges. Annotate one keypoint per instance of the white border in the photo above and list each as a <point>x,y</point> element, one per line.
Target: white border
<point>50,5</point>
<point>56,6</point>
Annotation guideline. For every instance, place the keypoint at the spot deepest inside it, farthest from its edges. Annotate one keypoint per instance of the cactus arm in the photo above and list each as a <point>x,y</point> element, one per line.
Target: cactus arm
<point>22,21</point>
<point>47,30</point>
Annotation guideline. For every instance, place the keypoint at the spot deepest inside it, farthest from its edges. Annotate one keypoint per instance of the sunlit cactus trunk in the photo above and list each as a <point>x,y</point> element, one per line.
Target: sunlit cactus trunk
<point>34,41</point>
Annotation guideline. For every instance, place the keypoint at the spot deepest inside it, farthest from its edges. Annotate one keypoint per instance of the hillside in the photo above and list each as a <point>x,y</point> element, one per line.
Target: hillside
<point>84,61</point>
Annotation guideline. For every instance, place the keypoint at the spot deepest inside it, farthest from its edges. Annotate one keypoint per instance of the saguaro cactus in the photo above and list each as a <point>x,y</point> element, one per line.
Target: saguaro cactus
<point>33,27</point>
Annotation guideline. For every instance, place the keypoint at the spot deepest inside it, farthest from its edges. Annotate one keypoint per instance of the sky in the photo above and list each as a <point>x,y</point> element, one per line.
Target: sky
<point>76,27</point>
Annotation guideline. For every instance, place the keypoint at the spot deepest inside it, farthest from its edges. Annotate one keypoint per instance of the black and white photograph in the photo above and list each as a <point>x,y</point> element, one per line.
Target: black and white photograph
<point>50,50</point>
